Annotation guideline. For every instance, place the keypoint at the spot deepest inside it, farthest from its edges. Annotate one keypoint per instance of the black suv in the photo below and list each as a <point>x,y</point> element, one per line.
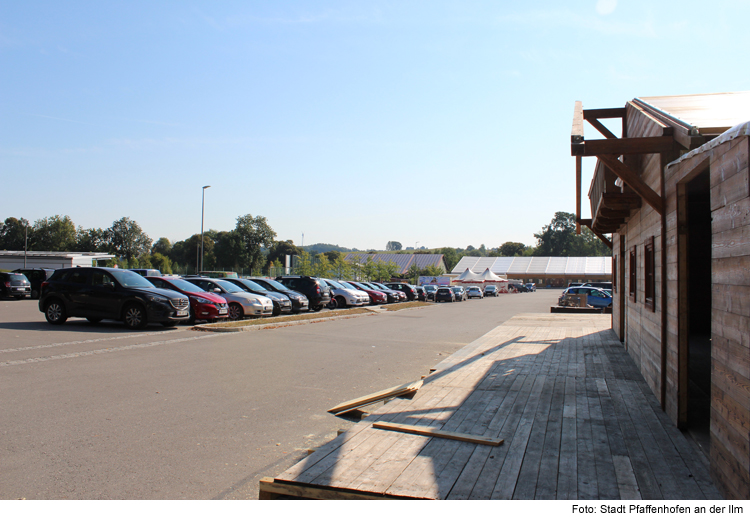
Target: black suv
<point>408,289</point>
<point>14,285</point>
<point>36,277</point>
<point>316,290</point>
<point>110,293</point>
<point>299,301</point>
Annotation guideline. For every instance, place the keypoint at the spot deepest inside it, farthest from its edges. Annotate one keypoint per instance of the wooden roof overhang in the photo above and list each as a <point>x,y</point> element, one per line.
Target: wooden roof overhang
<point>611,205</point>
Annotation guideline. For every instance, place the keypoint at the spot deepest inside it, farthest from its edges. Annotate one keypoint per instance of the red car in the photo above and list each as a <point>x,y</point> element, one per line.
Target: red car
<point>204,305</point>
<point>376,296</point>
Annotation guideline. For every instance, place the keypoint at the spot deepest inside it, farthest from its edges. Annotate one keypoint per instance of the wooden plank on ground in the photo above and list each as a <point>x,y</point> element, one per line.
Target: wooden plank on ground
<point>400,390</point>
<point>438,433</point>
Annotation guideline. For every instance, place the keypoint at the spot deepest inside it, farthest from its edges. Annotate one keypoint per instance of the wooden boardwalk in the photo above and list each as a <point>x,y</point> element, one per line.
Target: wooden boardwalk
<point>577,419</point>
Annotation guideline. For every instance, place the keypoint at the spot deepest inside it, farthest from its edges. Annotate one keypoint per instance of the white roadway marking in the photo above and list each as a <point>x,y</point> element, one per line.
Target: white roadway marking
<point>52,345</point>
<point>105,350</point>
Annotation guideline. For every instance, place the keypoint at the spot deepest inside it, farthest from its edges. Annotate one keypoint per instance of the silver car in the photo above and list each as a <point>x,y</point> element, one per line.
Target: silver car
<point>347,295</point>
<point>475,291</point>
<point>241,303</point>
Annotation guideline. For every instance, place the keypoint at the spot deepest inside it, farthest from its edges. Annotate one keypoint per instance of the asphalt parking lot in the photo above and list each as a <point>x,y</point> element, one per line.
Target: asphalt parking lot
<point>101,412</point>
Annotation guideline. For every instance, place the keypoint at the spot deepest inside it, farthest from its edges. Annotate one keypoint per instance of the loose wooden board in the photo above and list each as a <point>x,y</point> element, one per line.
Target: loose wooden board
<point>400,390</point>
<point>438,433</point>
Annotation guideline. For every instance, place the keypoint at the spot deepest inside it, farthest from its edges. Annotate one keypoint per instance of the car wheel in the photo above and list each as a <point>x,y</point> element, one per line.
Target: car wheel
<point>55,312</point>
<point>191,319</point>
<point>94,320</point>
<point>276,310</point>
<point>332,304</point>
<point>235,312</point>
<point>317,307</point>
<point>340,302</point>
<point>134,317</point>
<point>169,324</point>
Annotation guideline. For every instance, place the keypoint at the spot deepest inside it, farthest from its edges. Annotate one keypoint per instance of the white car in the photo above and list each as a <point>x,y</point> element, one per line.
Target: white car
<point>475,291</point>
<point>347,295</point>
<point>241,303</point>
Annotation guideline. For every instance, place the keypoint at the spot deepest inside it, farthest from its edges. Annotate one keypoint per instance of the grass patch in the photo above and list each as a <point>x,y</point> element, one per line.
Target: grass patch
<point>288,318</point>
<point>403,306</point>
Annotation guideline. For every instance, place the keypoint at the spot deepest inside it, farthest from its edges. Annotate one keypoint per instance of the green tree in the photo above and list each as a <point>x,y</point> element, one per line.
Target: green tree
<point>13,233</point>
<point>304,263</point>
<point>559,239</point>
<point>432,271</point>
<point>128,239</point>
<point>226,249</point>
<point>163,246</point>
<point>369,268</point>
<point>413,273</point>
<point>450,257</point>
<point>322,266</point>
<point>393,246</point>
<point>53,233</point>
<point>341,268</point>
<point>281,249</point>
<point>255,235</point>
<point>512,249</point>
<point>94,239</point>
<point>162,263</point>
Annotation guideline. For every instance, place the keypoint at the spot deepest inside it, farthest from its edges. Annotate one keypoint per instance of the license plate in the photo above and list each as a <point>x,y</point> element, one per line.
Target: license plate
<point>222,311</point>
<point>182,312</point>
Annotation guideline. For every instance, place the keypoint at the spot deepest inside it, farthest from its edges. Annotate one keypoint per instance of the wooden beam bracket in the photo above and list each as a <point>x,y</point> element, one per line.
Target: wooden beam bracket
<point>630,177</point>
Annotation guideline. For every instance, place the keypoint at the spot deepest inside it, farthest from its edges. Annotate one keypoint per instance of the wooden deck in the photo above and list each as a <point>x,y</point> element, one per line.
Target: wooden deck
<point>577,419</point>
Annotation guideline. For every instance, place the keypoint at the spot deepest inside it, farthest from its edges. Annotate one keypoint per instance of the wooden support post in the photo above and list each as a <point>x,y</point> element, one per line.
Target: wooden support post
<point>630,177</point>
<point>578,194</point>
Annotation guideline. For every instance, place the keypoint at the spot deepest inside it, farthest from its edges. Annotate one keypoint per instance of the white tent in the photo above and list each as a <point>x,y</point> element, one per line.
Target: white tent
<point>490,278</point>
<point>469,277</point>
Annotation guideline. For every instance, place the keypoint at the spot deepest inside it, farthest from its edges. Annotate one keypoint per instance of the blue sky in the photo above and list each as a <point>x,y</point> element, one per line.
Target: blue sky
<point>443,123</point>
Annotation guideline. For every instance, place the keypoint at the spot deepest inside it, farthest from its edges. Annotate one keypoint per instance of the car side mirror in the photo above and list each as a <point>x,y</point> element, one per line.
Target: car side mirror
<point>109,285</point>
<point>216,290</point>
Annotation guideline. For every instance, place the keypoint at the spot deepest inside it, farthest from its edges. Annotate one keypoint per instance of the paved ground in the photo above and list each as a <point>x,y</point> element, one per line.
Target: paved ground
<point>98,412</point>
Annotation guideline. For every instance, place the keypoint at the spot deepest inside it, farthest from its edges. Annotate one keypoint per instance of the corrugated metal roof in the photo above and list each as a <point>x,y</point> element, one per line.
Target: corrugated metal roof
<point>705,111</point>
<point>403,260</point>
<point>423,260</point>
<point>520,265</point>
<point>537,266</point>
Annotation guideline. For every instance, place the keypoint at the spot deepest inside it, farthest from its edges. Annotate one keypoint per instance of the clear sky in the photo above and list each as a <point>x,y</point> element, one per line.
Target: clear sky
<point>442,123</point>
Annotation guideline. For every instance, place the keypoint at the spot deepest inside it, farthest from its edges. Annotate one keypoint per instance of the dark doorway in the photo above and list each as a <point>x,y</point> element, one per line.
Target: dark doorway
<point>699,309</point>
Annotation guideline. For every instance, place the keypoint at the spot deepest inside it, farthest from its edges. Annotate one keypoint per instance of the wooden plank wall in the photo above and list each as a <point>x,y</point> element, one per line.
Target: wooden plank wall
<point>730,318</point>
<point>643,326</point>
<point>730,310</point>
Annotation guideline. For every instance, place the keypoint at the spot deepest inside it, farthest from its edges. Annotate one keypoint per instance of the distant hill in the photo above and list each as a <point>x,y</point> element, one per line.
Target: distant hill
<point>314,249</point>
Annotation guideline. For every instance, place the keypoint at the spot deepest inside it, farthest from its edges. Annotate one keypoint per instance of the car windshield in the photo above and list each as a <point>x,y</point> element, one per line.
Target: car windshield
<point>253,286</point>
<point>185,286</point>
<point>228,286</point>
<point>347,286</point>
<point>276,284</point>
<point>430,288</point>
<point>335,284</point>
<point>474,288</point>
<point>130,279</point>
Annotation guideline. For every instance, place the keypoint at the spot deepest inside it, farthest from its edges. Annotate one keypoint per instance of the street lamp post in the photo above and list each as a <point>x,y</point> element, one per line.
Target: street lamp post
<point>203,201</point>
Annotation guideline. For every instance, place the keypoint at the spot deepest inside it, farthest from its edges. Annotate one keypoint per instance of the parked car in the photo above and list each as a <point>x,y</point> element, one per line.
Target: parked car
<point>241,303</point>
<point>204,306</point>
<point>344,294</point>
<point>460,293</point>
<point>147,272</point>
<point>421,295</point>
<point>300,303</point>
<point>110,293</point>
<point>429,291</point>
<point>391,295</point>
<point>14,285</point>
<point>314,288</point>
<point>530,286</point>
<point>409,290</point>
<point>376,296</point>
<point>36,277</point>
<point>400,296</point>
<point>281,303</point>
<point>491,290</point>
<point>444,294</point>
<point>475,291</point>
<point>597,297</point>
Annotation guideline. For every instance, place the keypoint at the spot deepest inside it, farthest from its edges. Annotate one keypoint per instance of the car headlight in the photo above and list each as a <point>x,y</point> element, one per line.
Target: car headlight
<point>256,302</point>
<point>156,298</point>
<point>201,300</point>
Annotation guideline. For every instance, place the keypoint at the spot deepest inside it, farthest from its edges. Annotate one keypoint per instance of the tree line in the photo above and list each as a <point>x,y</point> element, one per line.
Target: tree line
<point>251,247</point>
<point>244,247</point>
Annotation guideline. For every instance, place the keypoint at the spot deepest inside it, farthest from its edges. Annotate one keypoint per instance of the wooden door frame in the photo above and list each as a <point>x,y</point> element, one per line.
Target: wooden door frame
<point>683,276</point>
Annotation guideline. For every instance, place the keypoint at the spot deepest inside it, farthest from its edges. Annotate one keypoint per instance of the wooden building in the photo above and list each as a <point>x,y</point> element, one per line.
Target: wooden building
<point>671,188</point>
